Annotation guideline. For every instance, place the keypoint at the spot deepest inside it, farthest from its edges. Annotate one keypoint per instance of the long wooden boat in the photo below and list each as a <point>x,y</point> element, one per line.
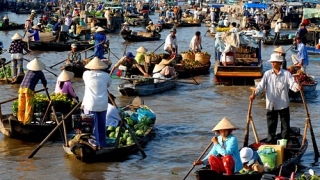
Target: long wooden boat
<point>58,46</point>
<point>78,69</point>
<point>142,86</point>
<point>246,67</point>
<point>292,156</point>
<point>188,72</point>
<point>17,80</point>
<point>309,91</point>
<point>186,24</point>
<point>11,26</point>
<point>84,150</point>
<point>137,38</point>
<point>283,40</point>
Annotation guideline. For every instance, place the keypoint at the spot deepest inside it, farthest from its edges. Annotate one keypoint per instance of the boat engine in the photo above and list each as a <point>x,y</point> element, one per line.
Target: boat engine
<point>83,123</point>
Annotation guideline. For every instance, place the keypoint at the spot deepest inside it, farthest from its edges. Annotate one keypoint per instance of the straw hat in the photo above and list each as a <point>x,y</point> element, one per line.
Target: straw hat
<point>275,58</point>
<point>158,67</point>
<point>73,46</point>
<point>166,62</point>
<point>125,23</point>
<point>36,65</point>
<point>6,17</point>
<point>224,124</point>
<point>39,24</point>
<point>100,29</point>
<point>35,27</point>
<point>95,63</point>
<point>16,36</point>
<point>142,49</point>
<point>279,20</point>
<point>279,49</point>
<point>33,11</point>
<point>246,154</point>
<point>65,75</point>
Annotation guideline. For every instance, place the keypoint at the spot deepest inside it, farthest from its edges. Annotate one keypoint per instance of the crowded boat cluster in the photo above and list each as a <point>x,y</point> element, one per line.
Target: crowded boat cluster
<point>102,131</point>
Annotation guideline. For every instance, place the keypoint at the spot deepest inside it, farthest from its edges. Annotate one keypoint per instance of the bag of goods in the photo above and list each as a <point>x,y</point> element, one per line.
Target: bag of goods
<point>268,157</point>
<point>203,57</point>
<point>188,55</point>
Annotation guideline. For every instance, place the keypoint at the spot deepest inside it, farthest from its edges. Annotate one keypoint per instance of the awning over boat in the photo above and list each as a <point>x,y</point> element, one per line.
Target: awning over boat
<point>254,5</point>
<point>220,45</point>
<point>311,13</point>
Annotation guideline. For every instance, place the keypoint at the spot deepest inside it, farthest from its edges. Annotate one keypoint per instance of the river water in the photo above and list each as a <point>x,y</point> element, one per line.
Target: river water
<point>185,117</point>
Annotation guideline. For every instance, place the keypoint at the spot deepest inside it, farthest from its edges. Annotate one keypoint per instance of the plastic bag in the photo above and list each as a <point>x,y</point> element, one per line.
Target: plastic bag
<point>145,112</point>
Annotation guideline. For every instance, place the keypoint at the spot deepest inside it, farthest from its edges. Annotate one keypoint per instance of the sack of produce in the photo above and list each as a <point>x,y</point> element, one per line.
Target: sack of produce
<point>145,112</point>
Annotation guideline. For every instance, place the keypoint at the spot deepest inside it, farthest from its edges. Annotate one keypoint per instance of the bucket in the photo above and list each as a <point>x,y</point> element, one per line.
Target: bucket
<point>188,56</point>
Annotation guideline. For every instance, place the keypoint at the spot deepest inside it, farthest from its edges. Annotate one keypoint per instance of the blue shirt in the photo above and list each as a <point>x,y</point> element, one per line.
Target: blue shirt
<point>56,26</point>
<point>31,78</point>
<point>230,148</point>
<point>99,38</point>
<point>303,54</point>
<point>35,35</point>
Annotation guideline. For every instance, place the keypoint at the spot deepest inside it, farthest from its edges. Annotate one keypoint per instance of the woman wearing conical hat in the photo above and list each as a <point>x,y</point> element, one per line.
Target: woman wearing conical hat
<point>140,56</point>
<point>279,50</point>
<point>64,85</point>
<point>224,157</point>
<point>163,70</point>
<point>95,98</point>
<point>26,90</point>
<point>16,49</point>
<point>99,39</point>
<point>34,32</point>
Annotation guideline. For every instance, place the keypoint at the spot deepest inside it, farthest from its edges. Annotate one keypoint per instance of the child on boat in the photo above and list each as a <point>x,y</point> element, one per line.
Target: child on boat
<point>250,160</point>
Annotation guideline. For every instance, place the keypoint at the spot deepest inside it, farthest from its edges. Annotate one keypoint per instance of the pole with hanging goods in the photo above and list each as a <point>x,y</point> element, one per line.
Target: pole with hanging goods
<point>308,123</point>
<point>201,156</point>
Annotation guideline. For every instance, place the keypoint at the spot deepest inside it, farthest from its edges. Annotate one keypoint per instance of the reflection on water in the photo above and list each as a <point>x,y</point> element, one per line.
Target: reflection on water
<point>185,117</point>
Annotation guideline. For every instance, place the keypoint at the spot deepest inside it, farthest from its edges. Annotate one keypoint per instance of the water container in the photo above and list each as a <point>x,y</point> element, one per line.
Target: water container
<point>279,151</point>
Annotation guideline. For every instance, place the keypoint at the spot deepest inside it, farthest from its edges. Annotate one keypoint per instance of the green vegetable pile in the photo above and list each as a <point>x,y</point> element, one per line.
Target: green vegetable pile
<point>7,70</point>
<point>307,177</point>
<point>190,64</point>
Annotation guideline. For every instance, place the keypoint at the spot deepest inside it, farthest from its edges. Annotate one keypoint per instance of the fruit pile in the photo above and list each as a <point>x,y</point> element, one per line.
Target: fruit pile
<point>7,70</point>
<point>60,101</point>
<point>307,177</point>
<point>302,77</point>
<point>139,128</point>
<point>190,64</point>
<point>154,58</point>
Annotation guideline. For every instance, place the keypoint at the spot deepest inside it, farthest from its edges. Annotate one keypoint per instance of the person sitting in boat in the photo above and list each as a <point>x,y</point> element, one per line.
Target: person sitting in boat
<point>16,49</point>
<point>95,98</point>
<point>130,63</point>
<point>5,21</point>
<point>302,33</point>
<point>140,56</point>
<point>170,44</point>
<point>251,161</point>
<point>151,27</point>
<point>64,85</point>
<point>27,24</point>
<point>195,43</point>
<point>161,20</point>
<point>163,70</point>
<point>277,28</point>
<point>224,157</point>
<point>26,90</point>
<point>34,32</point>
<point>100,39</point>
<point>113,117</point>
<point>301,59</point>
<point>74,57</point>
<point>125,29</point>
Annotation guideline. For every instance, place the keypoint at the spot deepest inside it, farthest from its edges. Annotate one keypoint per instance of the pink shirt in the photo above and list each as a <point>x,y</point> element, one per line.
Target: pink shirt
<point>66,89</point>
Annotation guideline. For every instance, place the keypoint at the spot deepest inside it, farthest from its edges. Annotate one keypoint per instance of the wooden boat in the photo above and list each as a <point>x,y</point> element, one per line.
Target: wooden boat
<point>85,151</point>
<point>79,68</point>
<point>292,156</point>
<point>17,80</point>
<point>167,25</point>
<point>12,26</point>
<point>140,37</point>
<point>187,24</point>
<point>309,90</point>
<point>283,40</point>
<point>58,46</point>
<point>143,86</point>
<point>188,72</point>
<point>244,67</point>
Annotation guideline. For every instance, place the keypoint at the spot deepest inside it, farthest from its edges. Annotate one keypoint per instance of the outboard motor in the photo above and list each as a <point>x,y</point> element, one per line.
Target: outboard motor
<point>83,123</point>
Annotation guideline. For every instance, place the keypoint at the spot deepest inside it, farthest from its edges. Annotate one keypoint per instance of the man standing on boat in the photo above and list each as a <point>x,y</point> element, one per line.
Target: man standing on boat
<point>302,33</point>
<point>277,28</point>
<point>170,44</point>
<point>276,82</point>
<point>195,44</point>
<point>99,39</point>
<point>301,58</point>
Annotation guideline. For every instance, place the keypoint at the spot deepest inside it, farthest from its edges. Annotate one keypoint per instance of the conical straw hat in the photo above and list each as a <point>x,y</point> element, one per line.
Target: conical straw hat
<point>279,49</point>
<point>158,67</point>
<point>65,76</point>
<point>165,62</point>
<point>96,63</point>
<point>224,124</point>
<point>142,49</point>
<point>100,29</point>
<point>16,36</point>
<point>36,65</point>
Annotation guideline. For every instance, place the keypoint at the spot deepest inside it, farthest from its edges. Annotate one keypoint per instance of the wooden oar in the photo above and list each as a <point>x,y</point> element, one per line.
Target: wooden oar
<point>308,123</point>
<point>44,69</point>
<point>129,129</point>
<point>193,77</point>
<point>57,64</point>
<point>204,152</point>
<point>246,134</point>
<point>54,129</point>
<point>159,47</point>
<point>114,55</point>
<point>125,49</point>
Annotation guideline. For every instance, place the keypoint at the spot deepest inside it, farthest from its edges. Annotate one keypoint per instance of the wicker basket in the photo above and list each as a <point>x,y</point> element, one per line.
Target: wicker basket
<point>188,56</point>
<point>190,22</point>
<point>202,58</point>
<point>147,59</point>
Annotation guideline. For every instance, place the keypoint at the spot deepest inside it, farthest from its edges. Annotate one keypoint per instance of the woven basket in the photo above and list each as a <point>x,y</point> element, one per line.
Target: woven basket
<point>188,56</point>
<point>202,58</point>
<point>190,22</point>
<point>147,59</point>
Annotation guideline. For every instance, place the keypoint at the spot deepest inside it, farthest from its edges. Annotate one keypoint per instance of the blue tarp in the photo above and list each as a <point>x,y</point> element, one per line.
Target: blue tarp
<point>254,5</point>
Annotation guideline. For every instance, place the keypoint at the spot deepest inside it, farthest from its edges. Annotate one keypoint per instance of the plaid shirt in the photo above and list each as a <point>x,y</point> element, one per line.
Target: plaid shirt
<point>17,46</point>
<point>31,78</point>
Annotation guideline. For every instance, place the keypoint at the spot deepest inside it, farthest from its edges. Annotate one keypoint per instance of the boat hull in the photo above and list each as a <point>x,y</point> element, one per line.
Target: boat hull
<point>133,38</point>
<point>184,73</point>
<point>12,27</point>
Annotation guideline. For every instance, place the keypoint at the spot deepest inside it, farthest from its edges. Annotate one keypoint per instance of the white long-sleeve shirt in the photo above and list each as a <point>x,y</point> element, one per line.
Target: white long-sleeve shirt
<point>170,40</point>
<point>277,88</point>
<point>277,27</point>
<point>195,43</point>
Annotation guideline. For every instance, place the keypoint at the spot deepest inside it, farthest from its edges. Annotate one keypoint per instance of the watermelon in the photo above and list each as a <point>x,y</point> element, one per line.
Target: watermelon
<point>112,135</point>
<point>130,142</point>
<point>140,133</point>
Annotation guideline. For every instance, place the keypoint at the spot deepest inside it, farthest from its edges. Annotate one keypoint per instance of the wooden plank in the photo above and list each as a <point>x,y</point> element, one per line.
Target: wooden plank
<point>239,74</point>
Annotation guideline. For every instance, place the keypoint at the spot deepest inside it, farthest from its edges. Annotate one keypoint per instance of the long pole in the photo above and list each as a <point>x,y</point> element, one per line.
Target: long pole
<point>246,134</point>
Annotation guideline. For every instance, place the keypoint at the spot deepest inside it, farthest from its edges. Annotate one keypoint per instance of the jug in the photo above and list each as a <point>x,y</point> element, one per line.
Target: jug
<point>282,142</point>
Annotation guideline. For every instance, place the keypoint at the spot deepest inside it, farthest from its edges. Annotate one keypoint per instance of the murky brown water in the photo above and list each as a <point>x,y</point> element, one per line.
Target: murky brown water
<point>185,117</point>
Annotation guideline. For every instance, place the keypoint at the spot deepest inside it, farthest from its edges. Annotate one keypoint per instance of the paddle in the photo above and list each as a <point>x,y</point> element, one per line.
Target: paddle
<point>57,64</point>
<point>53,130</point>
<point>114,55</point>
<point>246,134</point>
<point>129,129</point>
<point>308,123</point>
<point>44,69</point>
<point>198,160</point>
<point>192,77</point>
<point>64,134</point>
<point>159,47</point>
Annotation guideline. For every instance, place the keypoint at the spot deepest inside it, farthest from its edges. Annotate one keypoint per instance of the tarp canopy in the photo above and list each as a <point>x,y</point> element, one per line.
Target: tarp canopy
<point>254,5</point>
<point>311,13</point>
